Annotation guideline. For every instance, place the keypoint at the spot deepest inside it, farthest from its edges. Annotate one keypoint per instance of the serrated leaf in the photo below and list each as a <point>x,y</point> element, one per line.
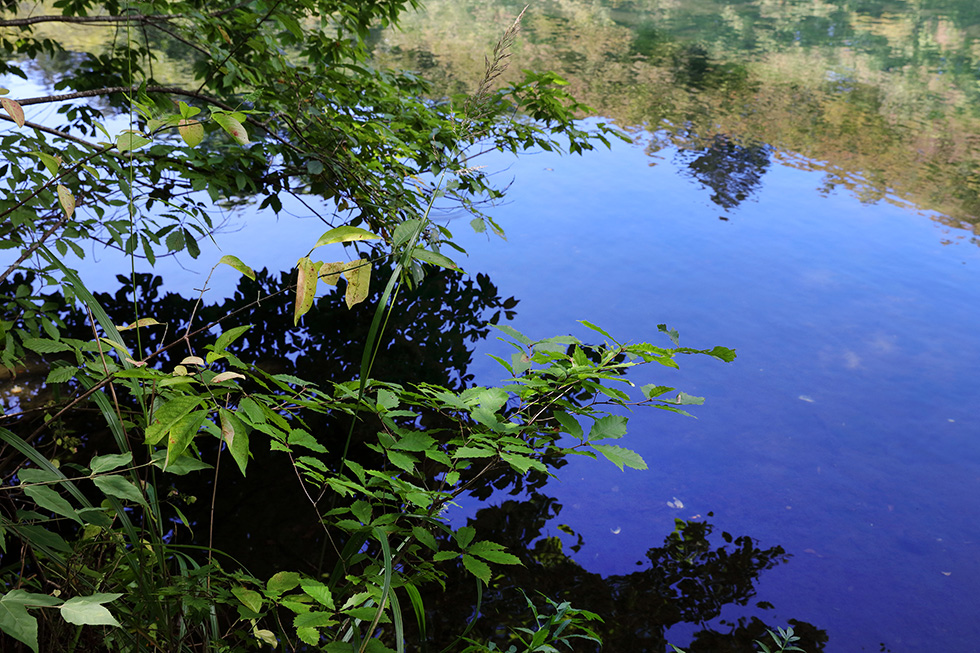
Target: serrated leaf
<point>610,427</point>
<point>306,279</point>
<point>192,131</point>
<point>318,592</point>
<point>358,275</point>
<point>492,552</point>
<point>478,568</point>
<point>314,620</point>
<point>310,636</point>
<point>236,263</point>
<point>345,234</point>
<point>89,611</point>
<point>232,126</point>
<point>61,374</point>
<point>14,109</point>
<point>464,536</point>
<point>425,537</point>
<point>620,456</point>
<point>131,141</point>
<point>143,322</point>
<point>569,424</point>
<point>45,346</point>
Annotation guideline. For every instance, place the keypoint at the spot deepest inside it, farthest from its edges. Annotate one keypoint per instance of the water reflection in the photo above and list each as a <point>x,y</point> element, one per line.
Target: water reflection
<point>881,98</point>
<point>689,579</point>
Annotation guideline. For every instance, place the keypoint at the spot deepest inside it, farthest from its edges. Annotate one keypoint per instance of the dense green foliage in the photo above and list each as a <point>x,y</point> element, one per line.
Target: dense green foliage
<point>272,99</point>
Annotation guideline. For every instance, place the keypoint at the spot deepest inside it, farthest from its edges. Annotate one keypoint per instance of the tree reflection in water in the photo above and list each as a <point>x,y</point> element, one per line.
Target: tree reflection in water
<point>265,523</point>
<point>687,580</point>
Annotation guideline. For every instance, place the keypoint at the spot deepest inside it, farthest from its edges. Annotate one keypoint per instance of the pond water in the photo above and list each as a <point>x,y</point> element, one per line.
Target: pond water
<point>803,188</point>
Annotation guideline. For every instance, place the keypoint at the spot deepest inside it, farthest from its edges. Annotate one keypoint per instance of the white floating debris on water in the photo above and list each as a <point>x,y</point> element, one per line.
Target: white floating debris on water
<point>806,398</point>
<point>616,531</point>
<point>676,503</point>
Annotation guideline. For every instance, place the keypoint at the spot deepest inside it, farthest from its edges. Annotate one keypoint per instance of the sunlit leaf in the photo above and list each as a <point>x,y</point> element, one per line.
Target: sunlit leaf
<point>232,126</point>
<point>433,257</point>
<point>14,109</point>
<point>67,200</point>
<point>143,322</point>
<point>358,275</point>
<point>131,141</point>
<point>345,234</point>
<point>305,288</point>
<point>478,568</point>
<point>192,131</point>
<point>330,273</point>
<point>89,611</point>
<point>620,456</point>
<point>236,263</point>
<point>226,376</point>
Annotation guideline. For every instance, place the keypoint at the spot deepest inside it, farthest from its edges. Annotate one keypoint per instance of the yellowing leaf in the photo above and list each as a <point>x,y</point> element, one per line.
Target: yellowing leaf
<point>330,273</point>
<point>51,163</point>
<point>225,376</point>
<point>345,234</point>
<point>192,131</point>
<point>305,288</point>
<point>193,360</point>
<point>358,274</point>
<point>236,263</point>
<point>67,200</point>
<point>14,109</point>
<point>146,321</point>
<point>232,126</point>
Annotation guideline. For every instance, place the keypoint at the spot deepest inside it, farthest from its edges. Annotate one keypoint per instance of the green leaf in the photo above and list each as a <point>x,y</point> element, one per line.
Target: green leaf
<point>192,131</point>
<point>168,415</point>
<point>282,582</point>
<point>249,598</point>
<point>318,592</point>
<point>131,141</point>
<point>620,456</point>
<point>433,257</point>
<point>569,424</point>
<point>344,234</point>
<point>414,441</point>
<point>236,263</point>
<point>45,346</point>
<point>117,486</point>
<point>230,336</point>
<point>110,461</point>
<point>232,126</point>
<point>235,435</point>
<point>89,611</point>
<point>310,636</point>
<point>47,498</point>
<point>15,620</point>
<point>464,536</point>
<point>183,432</point>
<point>588,324</point>
<point>492,552</point>
<point>608,427</point>
<point>183,465</point>
<point>425,537</point>
<point>478,568</point>
<point>61,374</point>
<point>314,620</point>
